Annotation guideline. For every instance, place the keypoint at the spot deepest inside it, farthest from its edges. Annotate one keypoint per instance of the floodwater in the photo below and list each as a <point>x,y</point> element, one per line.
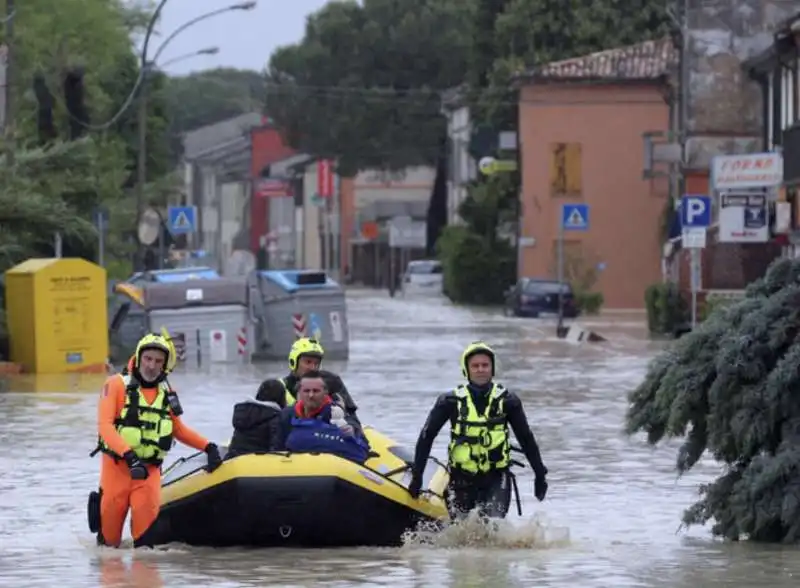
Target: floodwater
<point>610,521</point>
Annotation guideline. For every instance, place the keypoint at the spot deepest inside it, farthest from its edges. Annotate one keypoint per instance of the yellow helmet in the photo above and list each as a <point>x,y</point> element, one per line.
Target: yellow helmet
<point>155,341</point>
<point>478,347</point>
<point>304,346</point>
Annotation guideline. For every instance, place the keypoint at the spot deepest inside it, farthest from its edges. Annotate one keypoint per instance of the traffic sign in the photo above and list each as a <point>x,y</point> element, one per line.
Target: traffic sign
<point>755,217</point>
<point>182,219</point>
<point>695,212</point>
<point>490,166</point>
<point>694,237</point>
<point>575,217</point>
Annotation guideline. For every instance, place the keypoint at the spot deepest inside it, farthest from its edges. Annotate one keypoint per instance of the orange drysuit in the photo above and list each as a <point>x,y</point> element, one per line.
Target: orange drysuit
<point>119,491</point>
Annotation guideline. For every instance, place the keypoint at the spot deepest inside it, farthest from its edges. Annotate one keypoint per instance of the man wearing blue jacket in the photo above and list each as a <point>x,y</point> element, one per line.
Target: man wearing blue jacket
<point>315,424</point>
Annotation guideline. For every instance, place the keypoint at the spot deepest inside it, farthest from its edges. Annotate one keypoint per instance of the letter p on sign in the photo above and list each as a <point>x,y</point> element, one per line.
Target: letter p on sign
<point>695,212</point>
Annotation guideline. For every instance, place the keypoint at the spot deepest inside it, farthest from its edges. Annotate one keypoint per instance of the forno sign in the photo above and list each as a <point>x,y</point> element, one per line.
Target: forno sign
<point>755,170</point>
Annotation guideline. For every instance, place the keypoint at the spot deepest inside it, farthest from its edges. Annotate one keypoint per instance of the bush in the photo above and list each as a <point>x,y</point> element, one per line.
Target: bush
<point>476,271</point>
<point>589,302</point>
<point>666,309</point>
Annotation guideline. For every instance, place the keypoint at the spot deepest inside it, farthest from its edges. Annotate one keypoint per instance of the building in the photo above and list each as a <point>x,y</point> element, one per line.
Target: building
<point>306,204</point>
<point>777,72</point>
<point>727,116</point>
<point>217,163</point>
<point>462,168</point>
<point>582,123</point>
<point>381,199</point>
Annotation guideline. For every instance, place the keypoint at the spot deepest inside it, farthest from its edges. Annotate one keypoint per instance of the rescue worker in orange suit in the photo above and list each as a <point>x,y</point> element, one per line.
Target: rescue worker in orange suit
<point>138,420</point>
<point>480,413</point>
<point>305,356</point>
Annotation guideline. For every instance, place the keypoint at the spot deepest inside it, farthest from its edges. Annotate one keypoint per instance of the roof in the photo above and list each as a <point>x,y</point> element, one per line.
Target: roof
<point>650,60</point>
<point>205,138</point>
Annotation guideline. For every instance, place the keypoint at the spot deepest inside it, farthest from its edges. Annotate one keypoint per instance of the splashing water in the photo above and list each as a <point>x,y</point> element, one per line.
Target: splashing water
<point>475,531</point>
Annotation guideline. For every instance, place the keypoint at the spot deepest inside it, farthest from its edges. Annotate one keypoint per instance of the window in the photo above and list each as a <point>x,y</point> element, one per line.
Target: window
<point>565,169</point>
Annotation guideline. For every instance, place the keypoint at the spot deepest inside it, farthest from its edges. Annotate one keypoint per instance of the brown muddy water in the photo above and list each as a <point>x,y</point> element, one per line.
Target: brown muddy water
<point>610,521</point>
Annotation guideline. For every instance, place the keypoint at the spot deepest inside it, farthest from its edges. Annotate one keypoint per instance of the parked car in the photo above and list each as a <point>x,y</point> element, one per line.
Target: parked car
<point>423,276</point>
<point>532,297</point>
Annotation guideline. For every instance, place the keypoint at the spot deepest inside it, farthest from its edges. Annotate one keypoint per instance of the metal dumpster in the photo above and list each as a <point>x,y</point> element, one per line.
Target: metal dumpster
<point>209,320</point>
<point>298,303</point>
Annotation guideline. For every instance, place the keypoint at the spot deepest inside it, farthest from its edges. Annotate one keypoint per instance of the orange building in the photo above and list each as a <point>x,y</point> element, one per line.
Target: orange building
<point>582,126</point>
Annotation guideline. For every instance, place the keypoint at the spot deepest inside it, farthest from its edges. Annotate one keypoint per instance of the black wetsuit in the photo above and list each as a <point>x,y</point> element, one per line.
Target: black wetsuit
<point>490,491</point>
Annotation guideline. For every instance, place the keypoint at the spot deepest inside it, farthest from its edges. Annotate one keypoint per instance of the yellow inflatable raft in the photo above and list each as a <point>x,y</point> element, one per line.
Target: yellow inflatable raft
<point>298,500</point>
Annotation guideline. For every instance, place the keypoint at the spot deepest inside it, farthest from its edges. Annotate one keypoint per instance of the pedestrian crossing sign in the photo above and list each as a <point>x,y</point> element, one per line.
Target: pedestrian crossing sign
<point>182,219</point>
<point>575,217</point>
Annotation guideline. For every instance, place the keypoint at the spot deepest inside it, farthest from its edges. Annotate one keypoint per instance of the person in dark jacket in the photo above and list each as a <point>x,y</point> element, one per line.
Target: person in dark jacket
<point>256,422</point>
<point>480,414</point>
<point>315,424</point>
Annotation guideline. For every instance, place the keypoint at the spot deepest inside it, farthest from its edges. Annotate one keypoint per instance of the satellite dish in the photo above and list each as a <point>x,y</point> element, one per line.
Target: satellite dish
<point>149,227</point>
<point>240,263</point>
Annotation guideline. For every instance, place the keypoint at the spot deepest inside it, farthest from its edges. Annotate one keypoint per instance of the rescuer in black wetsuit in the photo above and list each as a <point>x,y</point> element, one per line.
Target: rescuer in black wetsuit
<point>480,413</point>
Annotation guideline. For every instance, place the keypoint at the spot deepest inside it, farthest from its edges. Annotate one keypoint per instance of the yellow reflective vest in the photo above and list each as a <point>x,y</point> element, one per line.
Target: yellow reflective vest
<point>146,428</point>
<point>479,443</point>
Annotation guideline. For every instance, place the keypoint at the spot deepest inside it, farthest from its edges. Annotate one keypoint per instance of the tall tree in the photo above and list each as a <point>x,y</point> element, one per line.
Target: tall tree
<point>69,52</point>
<point>209,96</point>
<point>363,85</point>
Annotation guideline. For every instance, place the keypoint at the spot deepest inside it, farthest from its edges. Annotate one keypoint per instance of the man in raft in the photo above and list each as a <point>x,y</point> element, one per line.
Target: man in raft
<point>480,413</point>
<point>138,418</point>
<point>314,424</point>
<point>306,355</point>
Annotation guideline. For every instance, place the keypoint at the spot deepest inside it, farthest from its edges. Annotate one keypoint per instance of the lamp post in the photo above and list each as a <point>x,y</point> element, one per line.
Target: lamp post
<point>141,167</point>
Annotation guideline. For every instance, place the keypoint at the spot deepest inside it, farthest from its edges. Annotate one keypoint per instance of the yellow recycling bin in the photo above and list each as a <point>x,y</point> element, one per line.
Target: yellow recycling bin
<point>57,316</point>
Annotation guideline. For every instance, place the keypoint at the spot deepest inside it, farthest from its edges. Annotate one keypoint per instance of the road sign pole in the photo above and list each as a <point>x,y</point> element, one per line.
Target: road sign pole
<point>560,270</point>
<point>161,247</point>
<point>101,238</point>
<point>695,270</point>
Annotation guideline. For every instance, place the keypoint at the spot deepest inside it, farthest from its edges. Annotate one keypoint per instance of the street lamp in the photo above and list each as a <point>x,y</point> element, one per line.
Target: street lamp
<point>141,174</point>
<point>207,51</point>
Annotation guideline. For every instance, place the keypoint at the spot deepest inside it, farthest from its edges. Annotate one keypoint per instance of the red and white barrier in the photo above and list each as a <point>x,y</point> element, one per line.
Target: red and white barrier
<point>241,341</point>
<point>299,324</point>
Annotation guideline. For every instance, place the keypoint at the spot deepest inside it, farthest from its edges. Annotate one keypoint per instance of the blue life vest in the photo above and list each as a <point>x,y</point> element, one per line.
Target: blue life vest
<point>317,435</point>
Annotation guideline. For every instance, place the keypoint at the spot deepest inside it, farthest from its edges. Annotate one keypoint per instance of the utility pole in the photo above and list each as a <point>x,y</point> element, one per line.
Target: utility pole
<point>141,161</point>
<point>8,107</point>
<point>695,254</point>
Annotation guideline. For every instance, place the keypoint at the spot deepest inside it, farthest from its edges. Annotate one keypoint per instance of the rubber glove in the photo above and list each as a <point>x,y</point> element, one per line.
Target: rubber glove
<point>135,465</point>
<point>214,458</point>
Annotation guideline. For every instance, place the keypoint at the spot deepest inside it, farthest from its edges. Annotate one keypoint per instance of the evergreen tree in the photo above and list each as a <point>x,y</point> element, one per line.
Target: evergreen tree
<point>732,388</point>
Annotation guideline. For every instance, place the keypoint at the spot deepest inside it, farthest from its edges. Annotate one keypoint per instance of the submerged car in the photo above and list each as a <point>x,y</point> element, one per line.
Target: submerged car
<point>424,276</point>
<point>533,297</point>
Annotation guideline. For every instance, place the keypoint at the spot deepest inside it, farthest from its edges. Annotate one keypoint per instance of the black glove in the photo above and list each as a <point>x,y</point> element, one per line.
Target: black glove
<point>540,487</point>
<point>214,458</point>
<point>415,486</point>
<point>135,465</point>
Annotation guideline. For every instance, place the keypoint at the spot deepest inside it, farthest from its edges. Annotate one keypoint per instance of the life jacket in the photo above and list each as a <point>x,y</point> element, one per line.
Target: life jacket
<point>479,443</point>
<point>318,435</point>
<point>289,393</point>
<point>146,428</point>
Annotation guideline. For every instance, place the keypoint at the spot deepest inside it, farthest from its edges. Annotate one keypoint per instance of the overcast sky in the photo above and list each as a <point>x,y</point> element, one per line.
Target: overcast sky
<point>245,38</point>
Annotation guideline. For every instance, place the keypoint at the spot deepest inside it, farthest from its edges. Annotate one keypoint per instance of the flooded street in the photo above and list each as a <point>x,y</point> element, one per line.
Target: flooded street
<point>617,498</point>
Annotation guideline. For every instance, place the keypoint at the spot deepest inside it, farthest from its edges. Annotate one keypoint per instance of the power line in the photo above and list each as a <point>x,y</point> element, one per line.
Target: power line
<point>421,96</point>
